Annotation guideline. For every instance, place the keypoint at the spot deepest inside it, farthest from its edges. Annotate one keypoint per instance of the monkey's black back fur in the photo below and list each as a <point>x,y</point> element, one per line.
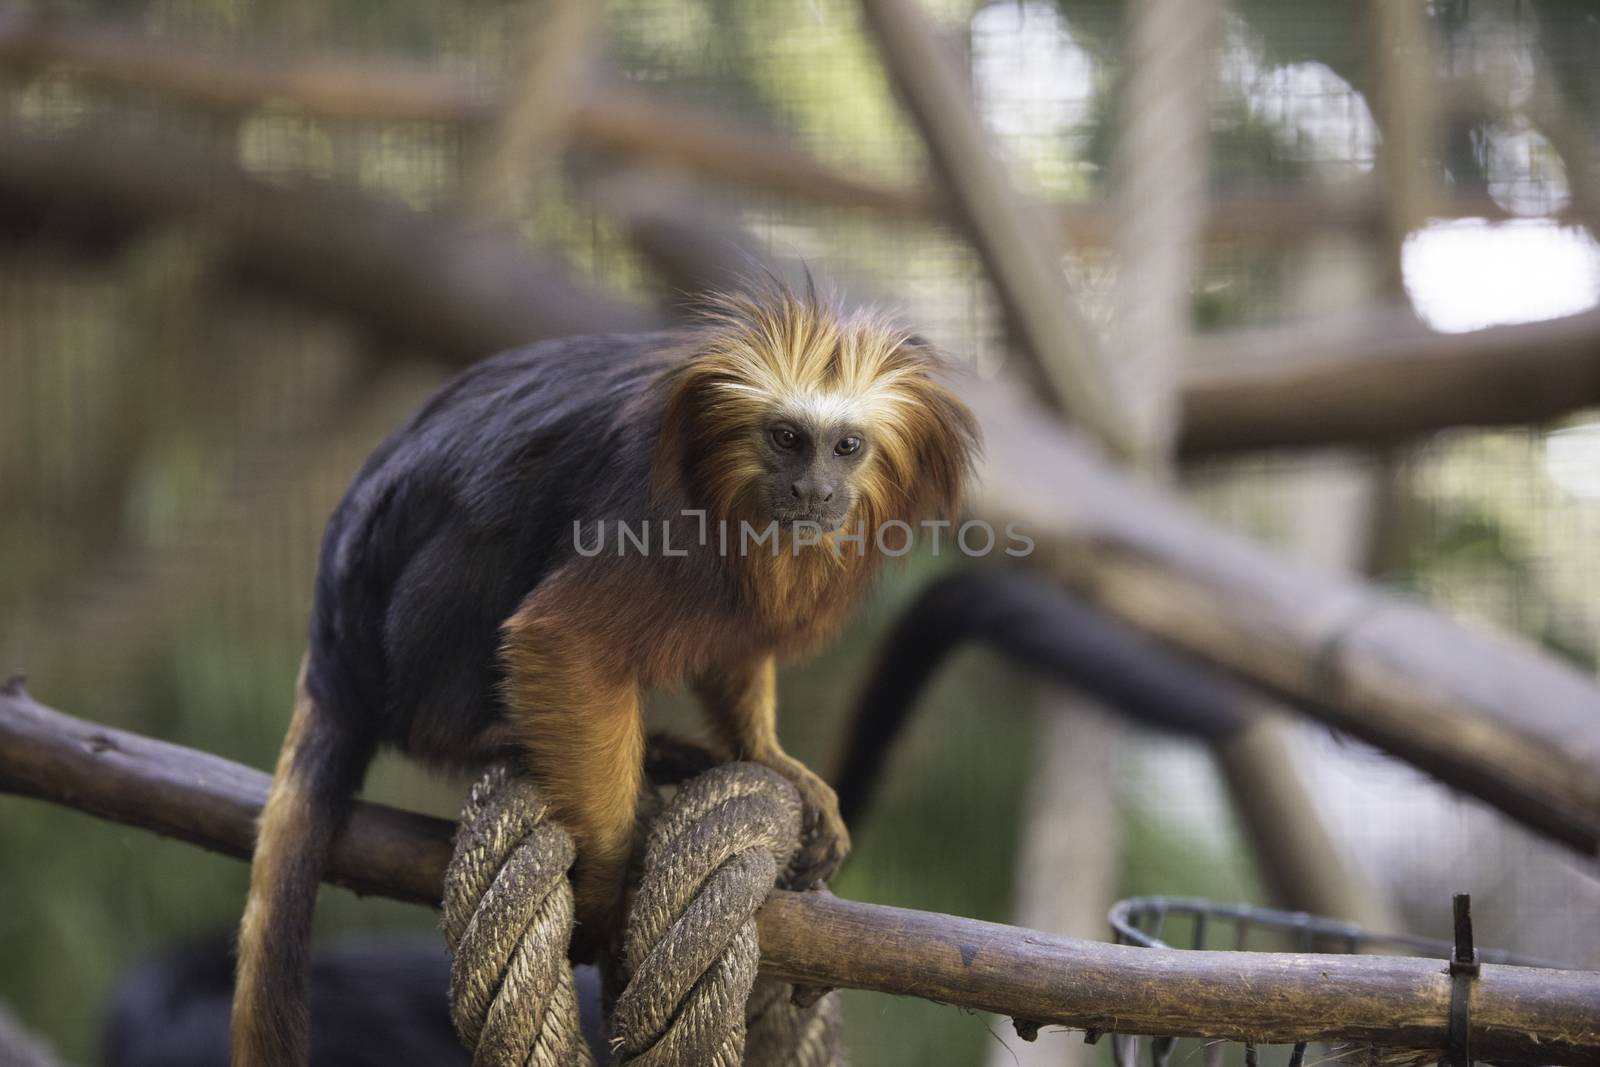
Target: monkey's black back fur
<point>457,516</point>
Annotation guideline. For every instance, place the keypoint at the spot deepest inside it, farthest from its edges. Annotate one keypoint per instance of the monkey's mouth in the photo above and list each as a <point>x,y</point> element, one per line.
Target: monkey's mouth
<point>823,520</point>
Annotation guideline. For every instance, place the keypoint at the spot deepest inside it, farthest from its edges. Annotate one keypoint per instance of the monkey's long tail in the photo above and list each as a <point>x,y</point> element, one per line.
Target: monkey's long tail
<point>1041,627</point>
<point>320,768</point>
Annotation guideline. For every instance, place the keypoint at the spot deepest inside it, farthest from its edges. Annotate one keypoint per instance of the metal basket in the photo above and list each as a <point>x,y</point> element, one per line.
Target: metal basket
<point>1142,920</point>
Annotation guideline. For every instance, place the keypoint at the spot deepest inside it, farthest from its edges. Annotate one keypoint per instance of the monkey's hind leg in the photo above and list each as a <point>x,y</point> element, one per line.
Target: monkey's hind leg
<point>582,729</point>
<point>320,767</point>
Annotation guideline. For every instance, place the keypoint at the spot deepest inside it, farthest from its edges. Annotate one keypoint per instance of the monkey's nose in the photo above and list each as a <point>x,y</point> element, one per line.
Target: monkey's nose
<point>810,492</point>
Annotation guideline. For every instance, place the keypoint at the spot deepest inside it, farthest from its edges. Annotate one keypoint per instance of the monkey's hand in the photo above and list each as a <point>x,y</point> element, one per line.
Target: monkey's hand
<point>824,840</point>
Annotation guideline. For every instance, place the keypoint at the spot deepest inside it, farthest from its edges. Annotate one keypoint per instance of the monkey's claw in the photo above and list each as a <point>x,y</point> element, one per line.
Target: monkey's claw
<point>824,839</point>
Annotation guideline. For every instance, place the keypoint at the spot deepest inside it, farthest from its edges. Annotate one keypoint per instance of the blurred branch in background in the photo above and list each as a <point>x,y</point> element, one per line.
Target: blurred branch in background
<point>1451,700</point>
<point>1162,184</point>
<point>1407,104</point>
<point>1381,377</point>
<point>607,118</point>
<point>462,293</point>
<point>428,282</point>
<point>1044,320</point>
<point>612,119</point>
<point>538,111</point>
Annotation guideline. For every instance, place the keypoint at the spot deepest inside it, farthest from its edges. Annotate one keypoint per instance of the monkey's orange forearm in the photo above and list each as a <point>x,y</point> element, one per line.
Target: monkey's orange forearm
<point>741,700</point>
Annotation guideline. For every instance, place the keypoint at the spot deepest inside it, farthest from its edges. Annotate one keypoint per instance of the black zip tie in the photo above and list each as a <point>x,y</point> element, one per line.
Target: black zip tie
<point>1463,969</point>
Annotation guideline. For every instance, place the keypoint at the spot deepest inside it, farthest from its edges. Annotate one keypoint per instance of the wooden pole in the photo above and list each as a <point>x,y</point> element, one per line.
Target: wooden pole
<point>1518,1013</point>
<point>1382,378</point>
<point>1492,717</point>
<point>537,113</point>
<point>1002,225</point>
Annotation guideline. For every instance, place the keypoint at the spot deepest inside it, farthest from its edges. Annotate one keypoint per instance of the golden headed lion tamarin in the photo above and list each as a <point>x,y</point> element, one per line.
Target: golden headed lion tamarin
<point>561,528</point>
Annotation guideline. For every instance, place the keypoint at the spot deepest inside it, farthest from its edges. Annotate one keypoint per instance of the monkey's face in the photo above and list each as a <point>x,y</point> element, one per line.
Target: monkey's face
<point>810,469</point>
<point>786,411</point>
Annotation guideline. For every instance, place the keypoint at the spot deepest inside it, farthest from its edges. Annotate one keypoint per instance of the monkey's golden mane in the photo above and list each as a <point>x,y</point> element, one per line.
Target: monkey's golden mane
<point>775,352</point>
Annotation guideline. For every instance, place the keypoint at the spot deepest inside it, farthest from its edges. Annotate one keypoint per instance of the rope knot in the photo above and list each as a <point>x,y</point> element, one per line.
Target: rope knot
<point>690,949</point>
<point>508,915</point>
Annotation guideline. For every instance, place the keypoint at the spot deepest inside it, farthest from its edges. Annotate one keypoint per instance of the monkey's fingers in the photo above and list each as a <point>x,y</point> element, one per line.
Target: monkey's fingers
<point>824,839</point>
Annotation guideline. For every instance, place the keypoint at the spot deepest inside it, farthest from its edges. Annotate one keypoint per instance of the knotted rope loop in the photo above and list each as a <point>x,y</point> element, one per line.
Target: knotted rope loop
<point>690,950</point>
<point>714,853</point>
<point>508,917</point>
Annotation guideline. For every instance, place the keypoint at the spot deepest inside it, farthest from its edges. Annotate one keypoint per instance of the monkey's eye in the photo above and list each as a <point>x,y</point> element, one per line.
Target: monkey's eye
<point>848,446</point>
<point>785,438</point>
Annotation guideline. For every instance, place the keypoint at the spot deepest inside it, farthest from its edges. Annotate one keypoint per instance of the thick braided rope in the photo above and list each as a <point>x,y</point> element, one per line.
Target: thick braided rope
<point>508,917</point>
<point>714,855</point>
<point>781,1033</point>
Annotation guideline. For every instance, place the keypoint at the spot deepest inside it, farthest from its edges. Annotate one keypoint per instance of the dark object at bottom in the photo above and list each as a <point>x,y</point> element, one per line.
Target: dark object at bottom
<point>375,1002</point>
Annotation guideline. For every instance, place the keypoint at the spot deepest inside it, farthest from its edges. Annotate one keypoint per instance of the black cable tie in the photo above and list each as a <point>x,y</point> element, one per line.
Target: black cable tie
<point>1464,968</point>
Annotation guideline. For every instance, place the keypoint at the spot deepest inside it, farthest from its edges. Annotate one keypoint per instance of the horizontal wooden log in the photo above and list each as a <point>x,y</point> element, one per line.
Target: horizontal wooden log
<point>1499,719</point>
<point>200,798</point>
<point>442,284</point>
<point>1518,1013</point>
<point>421,280</point>
<point>1383,377</point>
<point>613,118</point>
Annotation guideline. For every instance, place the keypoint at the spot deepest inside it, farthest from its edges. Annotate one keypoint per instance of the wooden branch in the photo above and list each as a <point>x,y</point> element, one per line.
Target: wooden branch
<point>1382,378</point>
<point>615,119</point>
<point>200,798</point>
<point>1543,1016</point>
<point>608,118</point>
<point>440,284</point>
<point>1497,719</point>
<point>424,280</point>
<point>1003,226</point>
<point>1302,863</point>
<point>436,284</point>
<point>1369,380</point>
<point>534,122</point>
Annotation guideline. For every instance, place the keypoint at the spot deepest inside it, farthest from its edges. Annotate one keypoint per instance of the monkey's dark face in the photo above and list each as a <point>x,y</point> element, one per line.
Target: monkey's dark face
<point>785,411</point>
<point>811,467</point>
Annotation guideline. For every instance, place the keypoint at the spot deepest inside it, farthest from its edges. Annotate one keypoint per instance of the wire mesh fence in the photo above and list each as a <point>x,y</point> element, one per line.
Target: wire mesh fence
<point>171,439</point>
